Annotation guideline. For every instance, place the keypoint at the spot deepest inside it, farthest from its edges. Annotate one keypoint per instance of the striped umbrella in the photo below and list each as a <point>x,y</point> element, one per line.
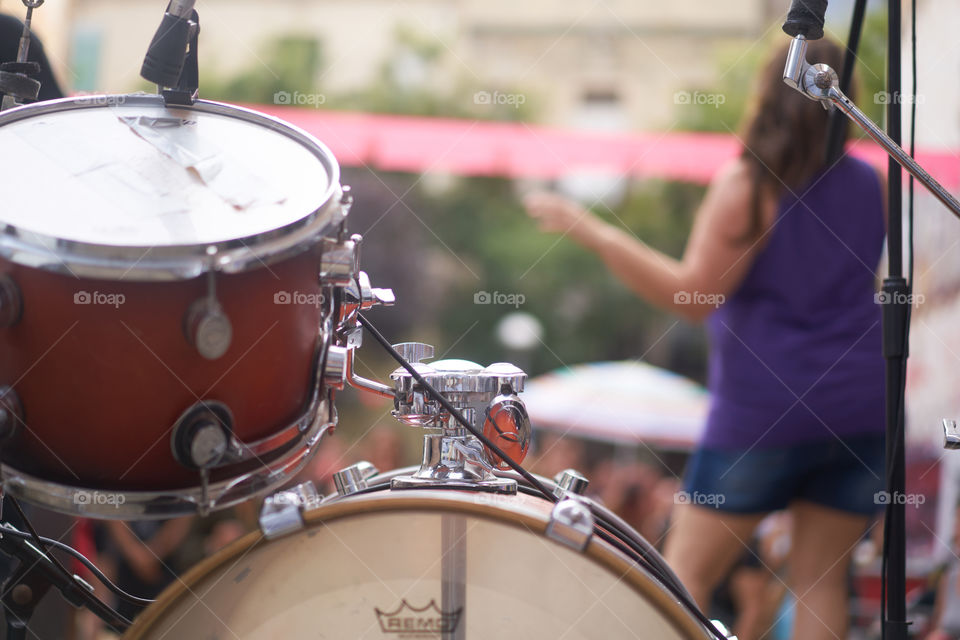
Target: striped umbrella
<point>625,402</point>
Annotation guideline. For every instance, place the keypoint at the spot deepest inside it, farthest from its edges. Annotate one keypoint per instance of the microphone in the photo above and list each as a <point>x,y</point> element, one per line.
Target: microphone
<point>806,19</point>
<point>163,64</point>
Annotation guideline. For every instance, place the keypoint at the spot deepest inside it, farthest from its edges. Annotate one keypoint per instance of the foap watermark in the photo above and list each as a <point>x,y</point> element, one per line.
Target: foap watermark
<point>885,97</point>
<point>493,499</point>
<point>99,99</point>
<point>897,297</point>
<point>699,499</point>
<point>511,299</point>
<point>913,499</point>
<point>297,499</point>
<point>699,97</point>
<point>696,297</point>
<point>298,99</point>
<point>509,99</point>
<point>98,499</point>
<point>99,298</point>
<point>298,298</point>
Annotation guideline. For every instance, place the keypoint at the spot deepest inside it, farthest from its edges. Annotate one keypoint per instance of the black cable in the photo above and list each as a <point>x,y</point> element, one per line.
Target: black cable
<point>453,410</point>
<point>42,543</point>
<point>37,539</point>
<point>8,529</point>
<point>74,590</point>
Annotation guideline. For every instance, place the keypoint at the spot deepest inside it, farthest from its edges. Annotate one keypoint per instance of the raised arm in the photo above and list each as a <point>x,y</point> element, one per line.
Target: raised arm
<point>714,263</point>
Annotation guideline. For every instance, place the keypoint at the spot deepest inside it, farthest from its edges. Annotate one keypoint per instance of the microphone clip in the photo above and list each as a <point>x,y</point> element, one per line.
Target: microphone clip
<point>172,61</point>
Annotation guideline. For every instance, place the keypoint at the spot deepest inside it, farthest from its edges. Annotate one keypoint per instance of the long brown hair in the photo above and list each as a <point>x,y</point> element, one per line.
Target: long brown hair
<point>784,134</point>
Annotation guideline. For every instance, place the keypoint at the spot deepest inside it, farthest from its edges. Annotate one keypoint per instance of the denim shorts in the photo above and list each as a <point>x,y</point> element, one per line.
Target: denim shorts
<point>843,474</point>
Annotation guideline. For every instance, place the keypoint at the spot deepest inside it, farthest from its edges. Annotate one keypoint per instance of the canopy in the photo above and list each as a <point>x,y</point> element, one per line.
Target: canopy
<point>521,150</point>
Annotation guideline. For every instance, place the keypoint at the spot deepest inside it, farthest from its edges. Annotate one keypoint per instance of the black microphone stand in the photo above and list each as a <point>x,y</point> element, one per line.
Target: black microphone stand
<point>895,343</point>
<point>820,82</point>
<point>16,85</point>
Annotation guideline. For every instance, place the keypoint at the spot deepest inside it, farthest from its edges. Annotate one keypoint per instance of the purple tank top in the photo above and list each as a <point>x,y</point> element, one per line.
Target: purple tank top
<point>795,351</point>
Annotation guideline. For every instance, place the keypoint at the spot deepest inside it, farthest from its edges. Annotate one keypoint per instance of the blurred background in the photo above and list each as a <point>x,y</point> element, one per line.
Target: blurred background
<point>443,113</point>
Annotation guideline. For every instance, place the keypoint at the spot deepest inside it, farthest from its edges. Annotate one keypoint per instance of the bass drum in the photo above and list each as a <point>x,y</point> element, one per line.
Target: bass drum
<point>419,564</point>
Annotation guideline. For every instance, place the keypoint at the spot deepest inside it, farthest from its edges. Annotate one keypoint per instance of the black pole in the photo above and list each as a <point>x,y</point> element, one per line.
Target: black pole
<point>895,354</point>
<point>838,125</point>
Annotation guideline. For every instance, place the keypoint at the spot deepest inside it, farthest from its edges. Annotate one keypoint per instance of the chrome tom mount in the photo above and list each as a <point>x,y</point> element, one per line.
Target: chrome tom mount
<point>487,397</point>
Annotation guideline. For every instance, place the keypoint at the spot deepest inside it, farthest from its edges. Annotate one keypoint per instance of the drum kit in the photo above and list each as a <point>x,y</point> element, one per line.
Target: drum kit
<point>180,302</point>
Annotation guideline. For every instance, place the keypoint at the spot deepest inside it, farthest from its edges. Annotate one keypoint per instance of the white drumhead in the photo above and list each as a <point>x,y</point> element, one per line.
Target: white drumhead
<point>414,573</point>
<point>132,173</point>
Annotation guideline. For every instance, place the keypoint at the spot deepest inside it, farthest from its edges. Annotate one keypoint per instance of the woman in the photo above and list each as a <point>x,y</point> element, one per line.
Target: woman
<point>790,247</point>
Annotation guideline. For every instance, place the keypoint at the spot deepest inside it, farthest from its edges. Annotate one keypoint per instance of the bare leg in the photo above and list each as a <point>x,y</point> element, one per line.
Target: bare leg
<point>823,539</point>
<point>750,588</point>
<point>703,544</point>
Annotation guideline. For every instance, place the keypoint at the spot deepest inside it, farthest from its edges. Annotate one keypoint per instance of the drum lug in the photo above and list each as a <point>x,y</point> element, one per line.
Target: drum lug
<point>206,326</point>
<point>11,412</point>
<point>282,513</point>
<point>354,478</point>
<point>208,329</point>
<point>571,524</point>
<point>11,303</point>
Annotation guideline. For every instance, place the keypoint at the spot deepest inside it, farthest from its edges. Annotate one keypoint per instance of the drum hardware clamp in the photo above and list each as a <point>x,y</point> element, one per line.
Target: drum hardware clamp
<point>571,524</point>
<point>359,295</point>
<point>11,302</point>
<point>206,326</point>
<point>353,479</point>
<point>282,513</point>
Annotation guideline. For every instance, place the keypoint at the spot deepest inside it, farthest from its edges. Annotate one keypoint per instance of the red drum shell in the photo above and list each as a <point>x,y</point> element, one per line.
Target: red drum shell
<point>102,386</point>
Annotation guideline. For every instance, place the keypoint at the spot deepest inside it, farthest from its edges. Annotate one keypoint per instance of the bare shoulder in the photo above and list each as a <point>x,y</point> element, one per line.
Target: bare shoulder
<point>730,197</point>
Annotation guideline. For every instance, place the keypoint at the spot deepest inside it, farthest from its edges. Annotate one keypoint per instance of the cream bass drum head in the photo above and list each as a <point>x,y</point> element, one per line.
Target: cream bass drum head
<point>411,564</point>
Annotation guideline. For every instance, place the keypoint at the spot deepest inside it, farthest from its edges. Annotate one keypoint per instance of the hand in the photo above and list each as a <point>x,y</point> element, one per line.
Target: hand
<point>557,214</point>
<point>937,634</point>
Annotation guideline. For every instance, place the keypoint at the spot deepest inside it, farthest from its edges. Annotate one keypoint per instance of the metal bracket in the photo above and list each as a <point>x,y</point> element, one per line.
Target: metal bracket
<point>282,513</point>
<point>820,82</point>
<point>340,261</point>
<point>951,434</point>
<point>571,524</point>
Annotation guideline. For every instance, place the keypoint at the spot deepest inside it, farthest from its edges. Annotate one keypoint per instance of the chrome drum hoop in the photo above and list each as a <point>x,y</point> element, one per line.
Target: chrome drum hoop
<point>140,505</point>
<point>176,262</point>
